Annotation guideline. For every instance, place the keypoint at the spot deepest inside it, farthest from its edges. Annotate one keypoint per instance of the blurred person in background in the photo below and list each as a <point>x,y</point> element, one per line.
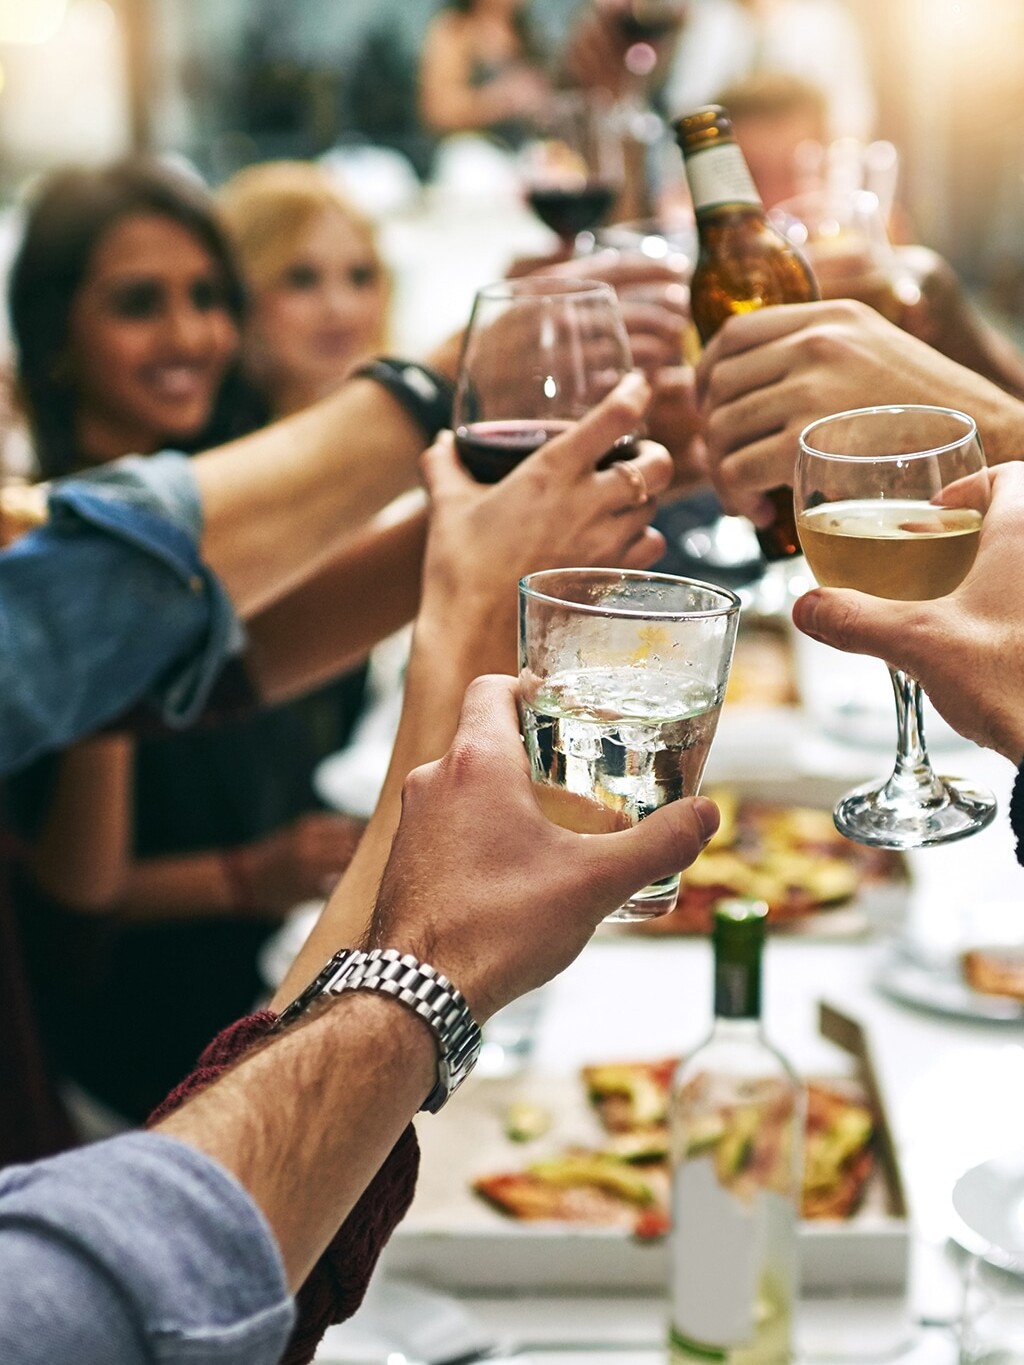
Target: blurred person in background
<point>319,304</point>
<point>778,118</point>
<point>623,47</point>
<point>156,869</point>
<point>725,40</point>
<point>482,71</point>
<point>319,291</point>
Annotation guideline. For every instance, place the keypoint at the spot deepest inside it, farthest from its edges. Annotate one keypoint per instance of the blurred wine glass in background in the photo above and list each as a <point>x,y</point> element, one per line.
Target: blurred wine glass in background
<point>843,235</point>
<point>573,169</point>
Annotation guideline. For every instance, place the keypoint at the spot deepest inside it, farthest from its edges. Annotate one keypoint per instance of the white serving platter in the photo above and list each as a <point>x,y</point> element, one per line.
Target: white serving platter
<point>451,1239</point>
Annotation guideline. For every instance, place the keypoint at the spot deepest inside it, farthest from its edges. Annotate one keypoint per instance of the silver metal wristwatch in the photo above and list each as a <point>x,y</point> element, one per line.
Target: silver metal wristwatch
<point>417,986</point>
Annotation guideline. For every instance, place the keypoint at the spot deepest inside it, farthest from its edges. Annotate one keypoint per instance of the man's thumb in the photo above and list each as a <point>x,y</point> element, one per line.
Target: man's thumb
<point>851,621</point>
<point>665,842</point>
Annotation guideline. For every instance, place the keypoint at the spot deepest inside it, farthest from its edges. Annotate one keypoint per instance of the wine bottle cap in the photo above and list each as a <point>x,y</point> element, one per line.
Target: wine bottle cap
<point>741,917</point>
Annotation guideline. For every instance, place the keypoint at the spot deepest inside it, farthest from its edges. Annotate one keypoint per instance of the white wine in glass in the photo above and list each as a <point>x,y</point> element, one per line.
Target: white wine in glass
<point>622,677</point>
<point>877,511</point>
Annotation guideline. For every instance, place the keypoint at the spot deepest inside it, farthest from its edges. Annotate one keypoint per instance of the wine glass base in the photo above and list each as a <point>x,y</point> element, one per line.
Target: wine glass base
<point>873,815</point>
<point>657,899</point>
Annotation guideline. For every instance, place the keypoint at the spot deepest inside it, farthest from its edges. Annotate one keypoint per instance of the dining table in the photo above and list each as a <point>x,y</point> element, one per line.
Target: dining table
<point>951,1078</point>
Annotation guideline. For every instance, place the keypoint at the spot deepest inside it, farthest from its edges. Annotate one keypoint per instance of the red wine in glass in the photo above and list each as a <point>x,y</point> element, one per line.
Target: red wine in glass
<point>570,211</point>
<point>490,450</point>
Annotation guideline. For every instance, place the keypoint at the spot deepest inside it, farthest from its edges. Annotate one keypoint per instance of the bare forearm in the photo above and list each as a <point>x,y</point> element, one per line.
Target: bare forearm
<point>993,356</point>
<point>187,884</point>
<point>278,503</point>
<point>436,681</point>
<point>83,851</point>
<point>1000,418</point>
<point>355,1076</point>
<point>331,622</point>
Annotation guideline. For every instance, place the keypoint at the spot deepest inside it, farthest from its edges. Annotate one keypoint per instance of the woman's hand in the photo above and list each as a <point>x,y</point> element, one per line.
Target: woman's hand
<point>653,295</point>
<point>301,861</point>
<point>556,509</point>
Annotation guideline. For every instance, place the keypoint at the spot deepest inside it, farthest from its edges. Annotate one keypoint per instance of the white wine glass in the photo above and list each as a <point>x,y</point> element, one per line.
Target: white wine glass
<point>538,354</point>
<point>869,492</point>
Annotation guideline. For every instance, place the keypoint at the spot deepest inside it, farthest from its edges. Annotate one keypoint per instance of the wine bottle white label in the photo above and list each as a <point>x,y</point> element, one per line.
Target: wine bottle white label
<point>719,175</point>
<point>715,1259</point>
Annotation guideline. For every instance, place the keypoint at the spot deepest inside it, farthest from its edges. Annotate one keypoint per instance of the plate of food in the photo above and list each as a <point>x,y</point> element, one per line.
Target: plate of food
<point>563,1182</point>
<point>777,842</point>
<point>983,981</point>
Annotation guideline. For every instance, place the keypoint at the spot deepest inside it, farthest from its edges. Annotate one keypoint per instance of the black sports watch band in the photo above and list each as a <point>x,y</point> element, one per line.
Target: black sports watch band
<point>425,394</point>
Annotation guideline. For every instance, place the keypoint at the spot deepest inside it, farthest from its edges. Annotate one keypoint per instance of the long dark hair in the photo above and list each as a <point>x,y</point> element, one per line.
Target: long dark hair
<point>67,217</point>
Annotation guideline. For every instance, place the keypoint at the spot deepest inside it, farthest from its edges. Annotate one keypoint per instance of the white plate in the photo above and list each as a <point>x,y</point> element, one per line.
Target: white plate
<point>990,1200</point>
<point>940,988</point>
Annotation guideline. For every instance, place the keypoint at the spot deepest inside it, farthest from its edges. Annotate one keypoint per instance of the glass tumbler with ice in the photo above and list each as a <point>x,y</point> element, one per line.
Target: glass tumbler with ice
<point>622,675</point>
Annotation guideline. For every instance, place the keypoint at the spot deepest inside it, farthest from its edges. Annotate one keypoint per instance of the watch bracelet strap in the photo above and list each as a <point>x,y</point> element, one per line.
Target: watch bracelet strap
<point>431,996</point>
<point>416,985</point>
<point>324,983</point>
<point>425,394</point>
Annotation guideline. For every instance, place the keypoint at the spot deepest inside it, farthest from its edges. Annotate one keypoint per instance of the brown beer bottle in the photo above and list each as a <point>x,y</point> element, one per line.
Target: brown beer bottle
<point>743,263</point>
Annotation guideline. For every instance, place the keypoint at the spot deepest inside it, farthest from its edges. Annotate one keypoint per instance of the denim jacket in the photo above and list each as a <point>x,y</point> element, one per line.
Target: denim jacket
<point>107,605</point>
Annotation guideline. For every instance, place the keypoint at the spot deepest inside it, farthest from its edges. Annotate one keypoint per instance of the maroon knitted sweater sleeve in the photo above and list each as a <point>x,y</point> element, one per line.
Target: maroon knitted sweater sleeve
<point>338,1281</point>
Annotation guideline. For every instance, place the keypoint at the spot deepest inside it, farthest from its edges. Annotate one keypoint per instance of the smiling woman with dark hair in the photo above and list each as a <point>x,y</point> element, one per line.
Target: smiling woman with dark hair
<point>156,869</point>
<point>125,305</point>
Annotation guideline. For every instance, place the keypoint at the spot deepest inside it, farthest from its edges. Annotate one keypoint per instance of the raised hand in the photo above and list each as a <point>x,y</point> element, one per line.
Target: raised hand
<point>967,649</point>
<point>555,509</point>
<point>484,887</point>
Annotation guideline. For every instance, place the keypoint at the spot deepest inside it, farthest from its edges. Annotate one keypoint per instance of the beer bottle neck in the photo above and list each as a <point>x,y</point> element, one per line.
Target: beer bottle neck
<point>718,178</point>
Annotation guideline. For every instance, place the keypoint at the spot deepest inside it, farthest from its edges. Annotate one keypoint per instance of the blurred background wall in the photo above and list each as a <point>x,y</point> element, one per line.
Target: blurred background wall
<point>224,82</point>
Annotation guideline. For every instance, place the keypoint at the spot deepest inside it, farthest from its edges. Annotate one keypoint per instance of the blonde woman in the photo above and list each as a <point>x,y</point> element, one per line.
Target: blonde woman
<point>319,290</point>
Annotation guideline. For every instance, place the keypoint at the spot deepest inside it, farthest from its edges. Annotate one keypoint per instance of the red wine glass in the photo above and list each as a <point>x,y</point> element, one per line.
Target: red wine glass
<point>538,354</point>
<point>573,170</point>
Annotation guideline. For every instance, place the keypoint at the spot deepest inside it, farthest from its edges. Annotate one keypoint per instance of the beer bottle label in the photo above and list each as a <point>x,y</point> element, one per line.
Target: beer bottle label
<point>719,175</point>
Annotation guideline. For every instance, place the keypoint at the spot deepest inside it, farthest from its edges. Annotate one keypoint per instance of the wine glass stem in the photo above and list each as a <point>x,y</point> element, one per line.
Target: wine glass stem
<point>913,775</point>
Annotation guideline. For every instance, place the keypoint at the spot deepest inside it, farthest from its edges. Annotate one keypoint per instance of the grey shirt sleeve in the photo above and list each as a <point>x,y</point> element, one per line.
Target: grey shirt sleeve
<point>135,1250</point>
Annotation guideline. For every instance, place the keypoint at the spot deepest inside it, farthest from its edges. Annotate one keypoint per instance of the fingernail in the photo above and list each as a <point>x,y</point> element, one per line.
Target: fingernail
<point>708,814</point>
<point>805,612</point>
<point>633,385</point>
